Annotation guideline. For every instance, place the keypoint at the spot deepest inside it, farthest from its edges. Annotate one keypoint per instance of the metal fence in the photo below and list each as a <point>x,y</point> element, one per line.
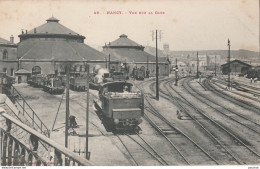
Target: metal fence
<point>28,112</point>
<point>20,147</point>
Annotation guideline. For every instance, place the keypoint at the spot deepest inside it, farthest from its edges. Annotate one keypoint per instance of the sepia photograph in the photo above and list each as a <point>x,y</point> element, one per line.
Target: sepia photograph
<point>130,83</point>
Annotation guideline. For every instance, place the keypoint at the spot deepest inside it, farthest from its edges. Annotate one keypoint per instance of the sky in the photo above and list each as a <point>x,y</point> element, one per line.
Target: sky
<point>185,24</point>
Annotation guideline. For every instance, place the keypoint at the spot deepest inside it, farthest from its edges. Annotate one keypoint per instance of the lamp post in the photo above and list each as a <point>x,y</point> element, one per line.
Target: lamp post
<point>215,67</point>
<point>67,108</point>
<point>197,65</point>
<point>229,64</point>
<point>109,63</point>
<point>157,71</point>
<point>176,73</point>
<point>87,154</point>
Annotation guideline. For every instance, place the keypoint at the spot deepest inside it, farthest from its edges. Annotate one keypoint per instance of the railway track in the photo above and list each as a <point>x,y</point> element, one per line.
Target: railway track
<point>237,101</point>
<point>239,94</point>
<point>233,136</point>
<point>241,87</point>
<point>144,146</point>
<point>240,83</point>
<point>158,120</point>
<point>217,127</point>
<point>238,118</point>
<point>183,104</point>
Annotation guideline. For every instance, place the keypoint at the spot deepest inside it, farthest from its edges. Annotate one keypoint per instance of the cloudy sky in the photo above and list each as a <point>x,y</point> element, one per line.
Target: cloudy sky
<point>185,24</point>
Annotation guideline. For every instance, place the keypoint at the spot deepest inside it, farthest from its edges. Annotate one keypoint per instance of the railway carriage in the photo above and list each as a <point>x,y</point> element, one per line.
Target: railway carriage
<point>121,108</point>
<point>53,85</point>
<point>114,76</point>
<point>78,81</point>
<point>37,80</point>
<point>139,74</point>
<point>253,73</point>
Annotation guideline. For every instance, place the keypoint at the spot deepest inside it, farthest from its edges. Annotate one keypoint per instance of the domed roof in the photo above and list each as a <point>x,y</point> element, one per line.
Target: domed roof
<point>123,42</point>
<point>52,19</point>
<point>51,29</point>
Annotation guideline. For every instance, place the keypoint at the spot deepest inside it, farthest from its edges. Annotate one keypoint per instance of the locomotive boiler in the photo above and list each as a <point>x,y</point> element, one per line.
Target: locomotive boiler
<point>121,108</point>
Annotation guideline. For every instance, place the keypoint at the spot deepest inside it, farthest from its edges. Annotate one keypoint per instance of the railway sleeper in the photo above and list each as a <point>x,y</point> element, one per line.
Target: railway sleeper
<point>167,130</point>
<point>170,132</point>
<point>183,117</point>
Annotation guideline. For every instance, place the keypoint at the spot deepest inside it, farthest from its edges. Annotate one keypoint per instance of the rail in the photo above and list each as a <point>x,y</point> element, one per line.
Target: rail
<point>15,152</point>
<point>28,112</point>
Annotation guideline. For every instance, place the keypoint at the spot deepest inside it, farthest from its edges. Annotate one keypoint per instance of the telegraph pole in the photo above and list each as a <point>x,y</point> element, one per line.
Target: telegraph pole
<point>147,60</point>
<point>67,105</point>
<point>109,63</point>
<point>176,73</point>
<point>215,67</point>
<point>87,155</point>
<point>106,61</point>
<point>197,65</point>
<point>229,64</point>
<point>157,82</point>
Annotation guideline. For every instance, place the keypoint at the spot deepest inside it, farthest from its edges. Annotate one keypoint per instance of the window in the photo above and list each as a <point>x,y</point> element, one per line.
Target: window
<point>12,72</point>
<point>5,55</point>
<point>36,70</point>
<point>5,70</point>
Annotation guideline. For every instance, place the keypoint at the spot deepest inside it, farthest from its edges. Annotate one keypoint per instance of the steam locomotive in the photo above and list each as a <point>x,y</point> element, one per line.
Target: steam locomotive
<point>53,85</point>
<point>253,73</point>
<point>78,81</point>
<point>119,107</point>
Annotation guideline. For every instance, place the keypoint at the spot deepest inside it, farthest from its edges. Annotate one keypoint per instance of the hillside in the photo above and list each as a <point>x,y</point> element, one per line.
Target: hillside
<point>235,54</point>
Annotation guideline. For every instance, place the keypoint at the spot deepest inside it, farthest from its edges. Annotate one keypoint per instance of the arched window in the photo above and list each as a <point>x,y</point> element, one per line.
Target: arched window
<point>5,55</point>
<point>36,70</point>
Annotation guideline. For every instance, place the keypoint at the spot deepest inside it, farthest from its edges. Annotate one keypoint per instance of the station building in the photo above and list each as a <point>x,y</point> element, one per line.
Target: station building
<point>125,50</point>
<point>48,48</point>
<point>236,67</point>
<point>8,56</point>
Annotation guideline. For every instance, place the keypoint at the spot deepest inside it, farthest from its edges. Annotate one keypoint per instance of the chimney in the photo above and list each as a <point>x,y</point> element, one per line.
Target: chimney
<point>34,30</point>
<point>12,39</point>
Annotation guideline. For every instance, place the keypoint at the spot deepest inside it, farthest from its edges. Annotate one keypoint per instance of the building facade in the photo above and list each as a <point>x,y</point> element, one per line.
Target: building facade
<point>49,47</point>
<point>125,50</point>
<point>236,67</point>
<point>8,56</point>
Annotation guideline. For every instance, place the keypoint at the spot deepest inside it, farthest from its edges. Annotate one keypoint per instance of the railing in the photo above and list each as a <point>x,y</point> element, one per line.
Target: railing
<point>17,152</point>
<point>28,112</point>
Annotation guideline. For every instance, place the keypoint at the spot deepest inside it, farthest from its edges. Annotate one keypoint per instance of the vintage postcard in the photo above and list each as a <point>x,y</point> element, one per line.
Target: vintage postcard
<point>130,83</point>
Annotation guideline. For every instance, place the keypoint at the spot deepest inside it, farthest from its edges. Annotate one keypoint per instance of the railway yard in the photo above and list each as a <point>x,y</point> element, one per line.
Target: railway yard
<point>197,122</point>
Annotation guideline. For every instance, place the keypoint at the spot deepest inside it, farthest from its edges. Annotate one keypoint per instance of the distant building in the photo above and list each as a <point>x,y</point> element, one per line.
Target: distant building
<point>8,56</point>
<point>202,62</point>
<point>166,49</point>
<point>127,51</point>
<point>236,67</point>
<point>46,49</point>
<point>212,60</point>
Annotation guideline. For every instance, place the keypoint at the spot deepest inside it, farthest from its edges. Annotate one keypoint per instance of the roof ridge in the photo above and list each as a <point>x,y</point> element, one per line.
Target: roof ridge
<point>75,51</point>
<point>28,50</point>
